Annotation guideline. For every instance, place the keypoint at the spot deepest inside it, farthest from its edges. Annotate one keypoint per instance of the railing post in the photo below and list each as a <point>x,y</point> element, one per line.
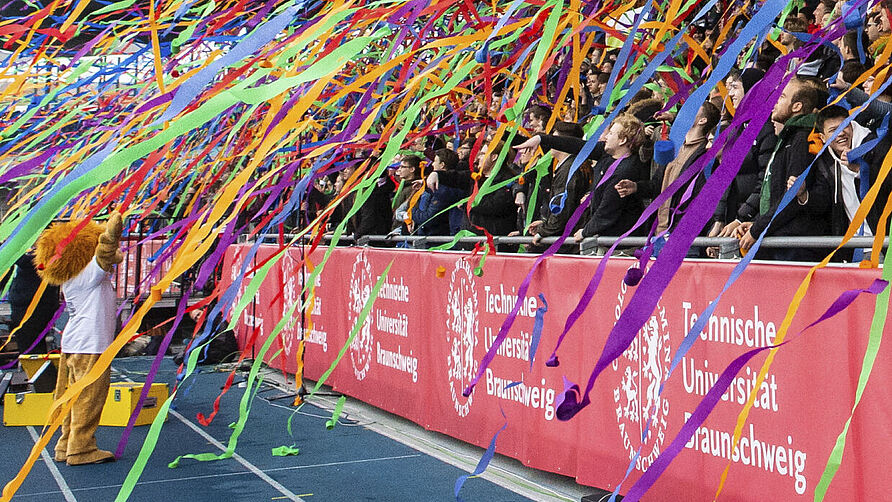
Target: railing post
<point>137,272</point>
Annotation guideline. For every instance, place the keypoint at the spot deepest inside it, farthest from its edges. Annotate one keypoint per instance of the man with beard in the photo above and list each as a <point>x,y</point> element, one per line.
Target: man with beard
<point>807,214</point>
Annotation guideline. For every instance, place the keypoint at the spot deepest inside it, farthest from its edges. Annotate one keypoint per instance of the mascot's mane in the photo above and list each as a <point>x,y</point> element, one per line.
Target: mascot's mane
<point>76,255</point>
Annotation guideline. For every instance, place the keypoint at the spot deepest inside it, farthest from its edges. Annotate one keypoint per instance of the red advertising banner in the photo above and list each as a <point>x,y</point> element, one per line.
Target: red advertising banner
<point>433,321</point>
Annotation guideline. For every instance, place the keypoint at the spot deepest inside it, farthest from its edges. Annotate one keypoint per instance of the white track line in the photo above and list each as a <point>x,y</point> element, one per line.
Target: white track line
<point>50,464</point>
<point>238,458</point>
<point>343,462</point>
<point>227,474</point>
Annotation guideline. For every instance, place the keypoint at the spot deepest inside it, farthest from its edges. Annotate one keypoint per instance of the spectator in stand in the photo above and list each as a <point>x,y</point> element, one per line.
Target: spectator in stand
<point>766,56</point>
<point>24,286</point>
<point>567,191</point>
<point>873,28</point>
<point>596,83</point>
<point>532,190</point>
<point>848,47</point>
<point>340,212</point>
<point>822,9</point>
<point>844,174</point>
<point>375,215</point>
<point>537,118</point>
<point>611,214</point>
<point>574,111</point>
<point>788,39</point>
<point>410,177</point>
<point>822,63</point>
<point>693,148</point>
<point>645,110</point>
<point>318,198</point>
<point>494,212</point>
<point>464,154</point>
<point>741,201</point>
<point>426,215</point>
<point>878,31</point>
<point>808,213</point>
<point>877,110</point>
<point>425,146</point>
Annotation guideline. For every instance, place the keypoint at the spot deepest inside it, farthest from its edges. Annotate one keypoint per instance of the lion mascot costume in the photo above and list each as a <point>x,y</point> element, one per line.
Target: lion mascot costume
<point>83,269</point>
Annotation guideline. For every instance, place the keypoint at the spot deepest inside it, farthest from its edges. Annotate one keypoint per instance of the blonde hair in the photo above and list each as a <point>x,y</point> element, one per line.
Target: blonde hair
<point>631,129</point>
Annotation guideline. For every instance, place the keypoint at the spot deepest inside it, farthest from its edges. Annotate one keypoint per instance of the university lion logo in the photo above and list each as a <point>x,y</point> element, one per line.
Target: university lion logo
<point>360,289</point>
<point>292,284</point>
<point>461,334</point>
<point>642,368</point>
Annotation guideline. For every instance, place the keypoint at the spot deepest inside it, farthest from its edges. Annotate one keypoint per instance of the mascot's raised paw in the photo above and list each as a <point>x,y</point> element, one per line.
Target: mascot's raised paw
<point>107,253</point>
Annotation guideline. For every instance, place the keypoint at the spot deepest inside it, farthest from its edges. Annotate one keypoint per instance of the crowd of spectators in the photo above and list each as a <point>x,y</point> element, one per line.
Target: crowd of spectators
<point>421,193</point>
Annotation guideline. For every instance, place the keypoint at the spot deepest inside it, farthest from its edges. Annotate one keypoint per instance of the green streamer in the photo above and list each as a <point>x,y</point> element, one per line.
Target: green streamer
<point>336,414</point>
<point>360,320</point>
<point>870,355</point>
<point>478,270</point>
<point>542,168</point>
<point>151,440</point>
<point>455,239</point>
<point>284,451</point>
<point>122,5</point>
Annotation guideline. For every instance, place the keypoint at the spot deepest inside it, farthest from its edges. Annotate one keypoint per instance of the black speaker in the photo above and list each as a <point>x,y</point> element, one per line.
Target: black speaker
<point>44,379</point>
<point>18,382</point>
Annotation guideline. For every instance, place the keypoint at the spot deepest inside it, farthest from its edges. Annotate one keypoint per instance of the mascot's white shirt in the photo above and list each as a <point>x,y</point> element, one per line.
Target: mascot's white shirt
<point>90,300</point>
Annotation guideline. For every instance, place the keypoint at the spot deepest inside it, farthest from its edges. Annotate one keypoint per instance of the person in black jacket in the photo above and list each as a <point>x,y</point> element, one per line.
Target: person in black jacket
<point>494,212</point>
<point>611,214</point>
<point>808,213</point>
<point>693,148</point>
<point>844,172</point>
<point>426,216</point>
<point>563,186</point>
<point>22,290</point>
<point>375,214</point>
<point>740,202</point>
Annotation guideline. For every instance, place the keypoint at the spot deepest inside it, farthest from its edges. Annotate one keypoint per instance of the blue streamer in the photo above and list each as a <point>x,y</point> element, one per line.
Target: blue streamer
<point>537,328</point>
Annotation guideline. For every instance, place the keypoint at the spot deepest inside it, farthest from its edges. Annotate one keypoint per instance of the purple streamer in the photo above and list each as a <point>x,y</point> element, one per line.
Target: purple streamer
<point>671,256</point>
<point>150,377</point>
<point>521,292</point>
<point>721,385</point>
<point>40,337</point>
<point>29,165</point>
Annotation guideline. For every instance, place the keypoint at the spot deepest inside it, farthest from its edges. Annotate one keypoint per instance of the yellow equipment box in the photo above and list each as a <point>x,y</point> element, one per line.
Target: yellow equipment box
<point>32,362</point>
<point>26,408</point>
<point>31,408</point>
<point>122,399</point>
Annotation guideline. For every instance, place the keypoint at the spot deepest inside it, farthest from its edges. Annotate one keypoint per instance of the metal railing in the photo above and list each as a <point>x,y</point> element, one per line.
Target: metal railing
<point>598,245</point>
<point>132,280</point>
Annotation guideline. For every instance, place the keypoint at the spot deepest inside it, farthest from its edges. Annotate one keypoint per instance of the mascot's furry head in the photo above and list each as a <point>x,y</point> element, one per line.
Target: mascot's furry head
<point>75,256</point>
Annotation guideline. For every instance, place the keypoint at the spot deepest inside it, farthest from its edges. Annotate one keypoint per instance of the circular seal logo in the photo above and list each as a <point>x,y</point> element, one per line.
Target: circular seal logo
<point>291,286</point>
<point>461,334</point>
<point>641,370</point>
<point>360,289</point>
